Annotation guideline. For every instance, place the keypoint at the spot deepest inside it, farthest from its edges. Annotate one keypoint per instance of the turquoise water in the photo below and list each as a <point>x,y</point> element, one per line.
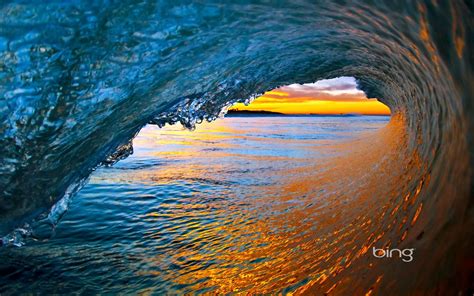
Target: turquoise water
<point>175,215</point>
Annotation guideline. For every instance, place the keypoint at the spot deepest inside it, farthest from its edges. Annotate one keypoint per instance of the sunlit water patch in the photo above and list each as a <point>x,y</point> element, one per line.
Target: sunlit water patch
<point>211,210</point>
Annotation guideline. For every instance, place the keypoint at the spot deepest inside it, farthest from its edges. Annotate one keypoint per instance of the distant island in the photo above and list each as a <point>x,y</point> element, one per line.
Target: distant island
<point>236,112</point>
<point>339,115</point>
<point>258,113</point>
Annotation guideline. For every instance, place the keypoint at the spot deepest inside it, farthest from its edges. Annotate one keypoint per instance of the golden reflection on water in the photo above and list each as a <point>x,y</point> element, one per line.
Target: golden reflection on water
<point>311,233</point>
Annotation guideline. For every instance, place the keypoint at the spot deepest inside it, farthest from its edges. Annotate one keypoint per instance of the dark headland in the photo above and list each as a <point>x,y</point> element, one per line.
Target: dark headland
<point>248,113</point>
<point>260,113</point>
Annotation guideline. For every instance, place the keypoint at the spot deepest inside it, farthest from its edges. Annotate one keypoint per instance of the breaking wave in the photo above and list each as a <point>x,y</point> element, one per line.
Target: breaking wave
<point>80,79</point>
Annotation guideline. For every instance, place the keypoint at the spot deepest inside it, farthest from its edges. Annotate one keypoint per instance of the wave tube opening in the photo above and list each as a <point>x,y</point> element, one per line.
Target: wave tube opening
<point>337,96</point>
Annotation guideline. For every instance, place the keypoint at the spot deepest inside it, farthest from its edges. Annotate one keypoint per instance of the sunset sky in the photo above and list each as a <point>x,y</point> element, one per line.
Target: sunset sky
<point>332,96</point>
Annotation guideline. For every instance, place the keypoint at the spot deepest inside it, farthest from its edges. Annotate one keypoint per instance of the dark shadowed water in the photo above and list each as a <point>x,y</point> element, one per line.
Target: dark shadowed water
<point>182,213</point>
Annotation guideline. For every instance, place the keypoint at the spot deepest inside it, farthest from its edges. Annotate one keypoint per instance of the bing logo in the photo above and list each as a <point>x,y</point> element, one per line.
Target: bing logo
<point>405,254</point>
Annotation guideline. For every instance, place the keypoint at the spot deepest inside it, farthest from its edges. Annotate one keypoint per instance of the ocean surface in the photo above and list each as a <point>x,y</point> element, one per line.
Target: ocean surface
<point>194,211</point>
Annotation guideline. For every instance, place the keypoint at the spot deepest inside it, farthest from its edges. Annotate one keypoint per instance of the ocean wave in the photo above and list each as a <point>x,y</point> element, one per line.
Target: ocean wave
<point>81,78</point>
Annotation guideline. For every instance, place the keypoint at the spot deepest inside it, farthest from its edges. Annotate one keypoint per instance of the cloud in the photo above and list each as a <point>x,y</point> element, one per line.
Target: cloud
<point>317,97</point>
<point>342,89</point>
<point>308,88</point>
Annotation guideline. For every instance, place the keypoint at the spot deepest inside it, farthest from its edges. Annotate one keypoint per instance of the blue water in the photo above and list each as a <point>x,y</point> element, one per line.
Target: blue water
<point>174,216</point>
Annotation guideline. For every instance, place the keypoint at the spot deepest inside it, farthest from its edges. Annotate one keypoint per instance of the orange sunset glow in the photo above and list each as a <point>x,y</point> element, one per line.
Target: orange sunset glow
<point>331,96</point>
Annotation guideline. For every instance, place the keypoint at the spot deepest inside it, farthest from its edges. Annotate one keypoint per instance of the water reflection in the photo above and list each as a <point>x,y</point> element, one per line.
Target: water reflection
<point>297,230</point>
<point>253,205</point>
<point>281,222</point>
